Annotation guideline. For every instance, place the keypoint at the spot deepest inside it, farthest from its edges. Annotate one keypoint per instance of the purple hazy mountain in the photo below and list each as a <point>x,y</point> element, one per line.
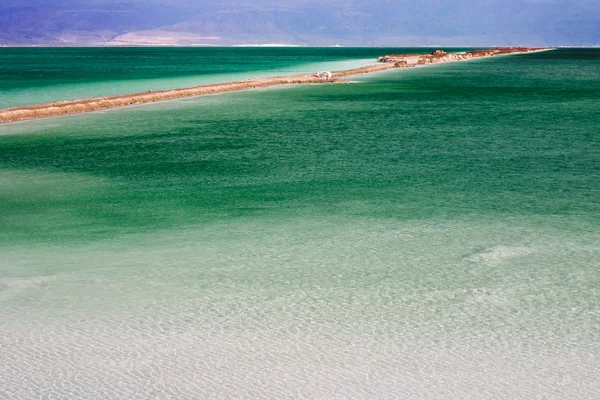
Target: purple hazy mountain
<point>302,22</point>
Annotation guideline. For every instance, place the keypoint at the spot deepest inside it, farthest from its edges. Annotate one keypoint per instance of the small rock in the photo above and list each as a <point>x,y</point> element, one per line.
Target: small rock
<point>438,53</point>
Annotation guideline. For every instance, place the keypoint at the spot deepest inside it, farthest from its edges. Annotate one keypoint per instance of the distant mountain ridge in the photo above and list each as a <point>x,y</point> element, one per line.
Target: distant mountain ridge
<point>379,22</point>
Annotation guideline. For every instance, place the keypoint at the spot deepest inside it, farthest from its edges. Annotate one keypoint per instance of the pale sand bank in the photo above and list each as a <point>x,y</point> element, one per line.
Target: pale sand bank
<point>101,103</point>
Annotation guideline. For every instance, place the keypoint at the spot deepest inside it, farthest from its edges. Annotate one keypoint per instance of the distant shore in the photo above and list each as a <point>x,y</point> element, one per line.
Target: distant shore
<point>387,62</point>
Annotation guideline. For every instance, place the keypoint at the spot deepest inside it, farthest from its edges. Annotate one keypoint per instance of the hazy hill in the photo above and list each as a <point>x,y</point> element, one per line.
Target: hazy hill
<point>378,22</point>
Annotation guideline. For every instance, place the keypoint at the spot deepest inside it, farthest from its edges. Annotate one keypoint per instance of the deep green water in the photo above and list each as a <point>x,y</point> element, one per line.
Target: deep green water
<point>423,233</point>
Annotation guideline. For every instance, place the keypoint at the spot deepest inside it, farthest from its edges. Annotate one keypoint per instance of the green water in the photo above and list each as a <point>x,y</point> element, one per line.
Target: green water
<point>40,75</point>
<point>423,233</point>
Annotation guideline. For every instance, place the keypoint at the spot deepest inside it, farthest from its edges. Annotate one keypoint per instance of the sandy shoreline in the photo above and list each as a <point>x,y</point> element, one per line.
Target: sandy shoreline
<point>387,62</point>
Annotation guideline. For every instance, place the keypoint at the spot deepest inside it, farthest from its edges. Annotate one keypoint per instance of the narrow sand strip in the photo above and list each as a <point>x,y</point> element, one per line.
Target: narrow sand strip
<point>101,103</point>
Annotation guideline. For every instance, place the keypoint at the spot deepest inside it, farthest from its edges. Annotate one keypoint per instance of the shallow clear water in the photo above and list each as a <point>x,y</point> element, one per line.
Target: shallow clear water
<point>425,233</point>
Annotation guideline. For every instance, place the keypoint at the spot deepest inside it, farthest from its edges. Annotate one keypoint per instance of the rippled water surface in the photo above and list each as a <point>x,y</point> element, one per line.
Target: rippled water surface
<point>430,233</point>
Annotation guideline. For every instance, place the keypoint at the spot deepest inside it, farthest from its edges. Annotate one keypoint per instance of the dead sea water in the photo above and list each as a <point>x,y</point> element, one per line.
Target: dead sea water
<point>40,75</point>
<point>426,233</point>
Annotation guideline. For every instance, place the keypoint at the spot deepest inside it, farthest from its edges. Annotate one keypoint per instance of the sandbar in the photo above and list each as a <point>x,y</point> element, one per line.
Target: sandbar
<point>384,63</point>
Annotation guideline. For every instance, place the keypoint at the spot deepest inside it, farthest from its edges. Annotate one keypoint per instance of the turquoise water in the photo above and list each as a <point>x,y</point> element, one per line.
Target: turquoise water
<point>424,233</point>
<point>41,75</point>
